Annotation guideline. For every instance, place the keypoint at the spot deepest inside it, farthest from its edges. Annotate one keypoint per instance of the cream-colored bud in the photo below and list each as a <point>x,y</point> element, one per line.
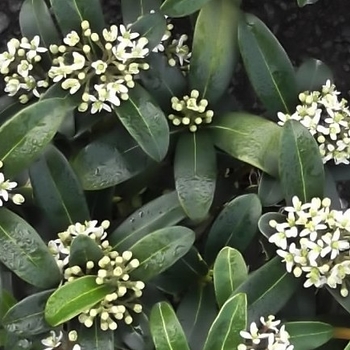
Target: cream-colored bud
<point>105,224</point>
<point>76,270</point>
<point>105,244</point>
<point>172,62</point>
<point>95,37</point>
<point>23,98</point>
<point>309,99</point>
<point>125,277</point>
<point>195,93</point>
<point>88,322</point>
<point>104,315</point>
<point>111,297</point>
<point>85,25</point>
<point>137,293</point>
<point>104,261</point>
<point>86,48</point>
<point>128,319</point>
<point>53,49</point>
<point>73,335</point>
<point>124,96</point>
<point>186,120</point>
<point>99,280</point>
<point>326,202</point>
<point>113,254</point>
<point>119,316</point>
<point>198,120</point>
<point>112,325</point>
<point>119,260</point>
<point>83,107</point>
<point>209,113</point>
<point>127,255</point>
<point>118,271</point>
<point>344,292</point>
<point>108,46</point>
<point>102,273</point>
<point>177,121</point>
<point>21,52</point>
<point>137,308</point>
<point>121,291</point>
<point>17,199</point>
<point>103,78</point>
<point>87,32</point>
<point>62,49</point>
<point>302,97</point>
<point>134,263</point>
<point>130,84</point>
<point>37,58</point>
<point>93,312</point>
<point>81,76</point>
<point>104,325</point>
<point>140,285</point>
<point>121,308</point>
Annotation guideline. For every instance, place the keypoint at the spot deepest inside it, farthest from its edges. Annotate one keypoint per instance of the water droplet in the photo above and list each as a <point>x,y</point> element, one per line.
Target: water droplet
<point>141,214</point>
<point>132,220</point>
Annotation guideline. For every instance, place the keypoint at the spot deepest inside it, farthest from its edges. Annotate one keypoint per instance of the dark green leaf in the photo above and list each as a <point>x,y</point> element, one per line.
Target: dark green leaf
<point>331,190</point>
<point>7,300</point>
<point>235,226</point>
<point>249,138</point>
<point>302,3</point>
<point>308,335</point>
<point>95,339</point>
<point>74,297</point>
<point>270,190</point>
<point>134,9</point>
<point>232,318</point>
<point>26,134</point>
<point>26,318</point>
<point>70,14</point>
<point>344,302</point>
<point>57,190</point>
<point>33,262</point>
<point>166,330</point>
<point>195,174</point>
<point>214,49</point>
<point>145,122</point>
<point>312,74</point>
<point>229,272</point>
<point>181,8</point>
<point>299,151</point>
<point>268,66</point>
<point>159,213</point>
<point>9,106</point>
<point>196,312</point>
<point>84,249</point>
<point>268,289</point>
<point>160,249</point>
<point>109,160</point>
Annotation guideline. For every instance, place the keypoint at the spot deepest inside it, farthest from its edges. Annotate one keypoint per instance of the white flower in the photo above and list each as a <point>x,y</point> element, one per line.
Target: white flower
<point>71,38</point>
<point>53,341</point>
<point>334,244</point>
<point>72,84</point>
<point>33,47</point>
<point>12,86</point>
<point>182,51</point>
<point>6,186</point>
<point>253,334</point>
<point>111,34</point>
<point>8,56</point>
<point>58,73</point>
<point>126,36</point>
<point>270,323</point>
<point>78,61</point>
<point>24,67</point>
<point>99,66</point>
<point>280,237</point>
<point>138,49</point>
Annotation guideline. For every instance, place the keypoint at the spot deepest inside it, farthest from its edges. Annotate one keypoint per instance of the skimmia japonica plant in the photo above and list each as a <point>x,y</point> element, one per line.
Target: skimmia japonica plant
<point>144,204</point>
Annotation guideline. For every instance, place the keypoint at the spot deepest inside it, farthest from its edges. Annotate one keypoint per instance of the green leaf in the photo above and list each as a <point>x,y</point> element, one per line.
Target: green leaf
<point>35,19</point>
<point>145,122</point>
<point>299,151</point>
<point>268,289</point>
<point>344,302</point>
<point>95,339</point>
<point>268,66</point>
<point>229,272</point>
<point>196,312</point>
<point>9,106</point>
<point>347,347</point>
<point>84,249</point>
<point>181,8</point>
<point>7,300</point>
<point>74,297</point>
<point>161,212</point>
<point>312,74</point>
<point>70,14</point>
<point>270,191</point>
<point>302,3</point>
<point>232,318</point>
<point>109,160</point>
<point>33,263</point>
<point>249,138</point>
<point>166,330</point>
<point>195,174</point>
<point>214,48</point>
<point>132,10</point>
<point>160,249</point>
<point>308,335</point>
<point>235,226</point>
<point>57,190</point>
<point>26,318</point>
<point>24,136</point>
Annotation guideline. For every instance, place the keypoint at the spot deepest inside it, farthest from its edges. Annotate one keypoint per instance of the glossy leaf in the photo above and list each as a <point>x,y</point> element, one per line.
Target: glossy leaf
<point>24,136</point>
<point>94,338</point>
<point>268,66</point>
<point>145,122</point>
<point>9,106</point>
<point>181,8</point>
<point>7,300</point>
<point>161,212</point>
<point>33,263</point>
<point>232,318</point>
<point>302,3</point>
<point>344,302</point>
<point>57,190</point>
<point>312,74</point>
<point>74,297</point>
<point>109,160</point>
<point>308,335</point>
<point>84,249</point>
<point>26,318</point>
<point>70,14</point>
<point>214,48</point>
<point>249,138</point>
<point>268,289</point>
<point>166,330</point>
<point>235,226</point>
<point>299,151</point>
<point>196,312</point>
<point>270,191</point>
<point>160,249</point>
<point>229,272</point>
<point>132,10</point>
<point>195,174</point>
<point>331,190</point>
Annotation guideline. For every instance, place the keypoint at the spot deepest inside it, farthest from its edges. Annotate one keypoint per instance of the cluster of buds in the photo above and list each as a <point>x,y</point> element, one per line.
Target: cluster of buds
<point>190,111</point>
<point>328,120</point>
<point>7,186</point>
<point>267,337</point>
<point>315,240</point>
<point>113,269</point>
<point>23,76</point>
<point>104,67</point>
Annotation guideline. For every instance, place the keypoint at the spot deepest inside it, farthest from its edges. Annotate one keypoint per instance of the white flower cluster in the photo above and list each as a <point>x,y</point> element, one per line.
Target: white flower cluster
<point>328,120</point>
<point>268,336</point>
<point>315,240</point>
<point>103,66</point>
<point>19,66</point>
<point>190,111</point>
<point>7,186</point>
<point>112,269</point>
<point>54,341</point>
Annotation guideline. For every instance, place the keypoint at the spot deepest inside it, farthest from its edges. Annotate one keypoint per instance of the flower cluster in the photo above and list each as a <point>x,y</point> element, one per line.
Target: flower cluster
<point>18,64</point>
<point>54,341</point>
<point>111,269</point>
<point>314,240</point>
<point>267,337</point>
<point>328,120</point>
<point>104,67</point>
<point>190,111</point>
<point>7,186</point>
